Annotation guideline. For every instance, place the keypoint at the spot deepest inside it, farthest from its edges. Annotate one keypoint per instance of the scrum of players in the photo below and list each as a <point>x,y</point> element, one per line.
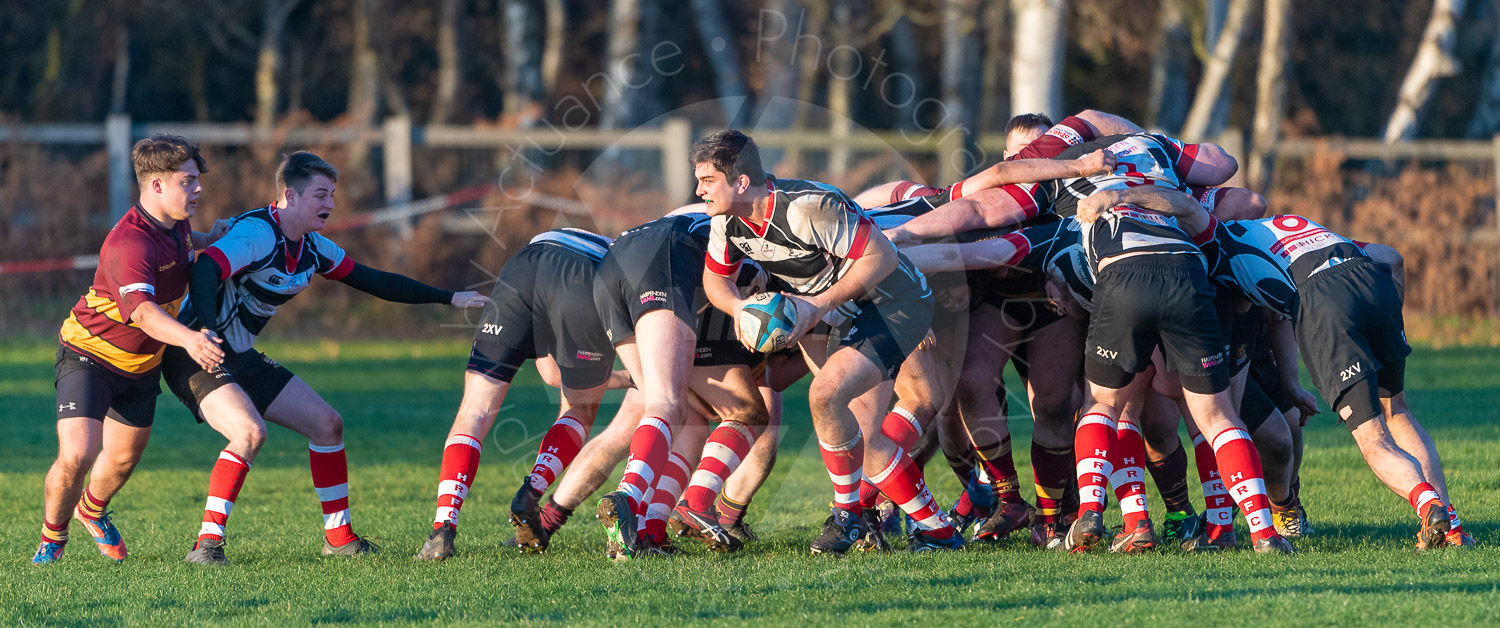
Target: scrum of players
<point>1129,288</point>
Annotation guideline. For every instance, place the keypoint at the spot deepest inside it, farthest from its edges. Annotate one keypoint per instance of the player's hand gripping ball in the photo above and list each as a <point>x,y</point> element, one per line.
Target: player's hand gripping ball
<point>767,321</point>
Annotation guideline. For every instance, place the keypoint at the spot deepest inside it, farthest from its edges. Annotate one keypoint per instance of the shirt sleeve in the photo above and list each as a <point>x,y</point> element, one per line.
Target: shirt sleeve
<point>1183,155</point>
<point>248,240</point>
<point>333,262</point>
<point>130,272</point>
<point>1072,131</point>
<point>721,259</point>
<point>832,225</point>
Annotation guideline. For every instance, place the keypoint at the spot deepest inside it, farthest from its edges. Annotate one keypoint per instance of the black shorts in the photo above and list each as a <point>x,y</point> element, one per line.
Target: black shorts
<point>888,331</point>
<point>260,377</point>
<point>1349,327</point>
<point>1022,299</point>
<point>1255,407</point>
<point>1156,300</point>
<point>719,343</point>
<point>543,304</point>
<point>649,268</point>
<point>87,388</point>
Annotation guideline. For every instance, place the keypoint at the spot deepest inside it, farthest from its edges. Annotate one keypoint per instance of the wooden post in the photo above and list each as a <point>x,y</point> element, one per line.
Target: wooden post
<point>951,157</point>
<point>122,186</point>
<point>398,166</point>
<point>676,172</point>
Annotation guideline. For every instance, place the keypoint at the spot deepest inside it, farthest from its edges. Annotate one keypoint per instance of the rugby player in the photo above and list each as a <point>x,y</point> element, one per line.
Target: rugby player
<point>267,257</point>
<point>110,353</point>
<point>1347,316</point>
<point>542,307</point>
<point>816,240</point>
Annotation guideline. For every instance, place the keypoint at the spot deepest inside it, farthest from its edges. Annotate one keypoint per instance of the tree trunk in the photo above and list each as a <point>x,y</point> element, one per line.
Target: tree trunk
<point>448,62</point>
<point>1270,90</point>
<point>1036,69</point>
<point>121,82</point>
<point>995,100</point>
<point>842,72</point>
<point>779,68</point>
<point>1486,121</point>
<point>1216,17</point>
<point>903,84</point>
<point>718,40</point>
<point>627,93</point>
<point>1434,61</point>
<point>1169,68</point>
<point>961,63</point>
<point>363,100</point>
<point>268,60</point>
<point>552,54</point>
<point>523,54</point>
<point>1213,85</point>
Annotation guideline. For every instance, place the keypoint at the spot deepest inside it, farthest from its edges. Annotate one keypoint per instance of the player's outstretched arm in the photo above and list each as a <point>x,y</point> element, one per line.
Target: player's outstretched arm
<point>943,258</point>
<point>203,346</point>
<point>398,288</point>
<point>1109,124</point>
<point>1034,170</point>
<point>1189,212</point>
<point>999,209</point>
<point>1283,338</point>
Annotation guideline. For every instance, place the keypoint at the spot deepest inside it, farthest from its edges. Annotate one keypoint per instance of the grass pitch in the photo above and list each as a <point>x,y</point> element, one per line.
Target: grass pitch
<point>398,399</point>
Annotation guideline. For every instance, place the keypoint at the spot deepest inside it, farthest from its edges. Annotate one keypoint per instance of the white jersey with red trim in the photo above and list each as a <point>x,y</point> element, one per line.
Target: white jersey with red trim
<point>811,236</point>
<point>1141,159</point>
<point>260,270</point>
<point>1301,247</point>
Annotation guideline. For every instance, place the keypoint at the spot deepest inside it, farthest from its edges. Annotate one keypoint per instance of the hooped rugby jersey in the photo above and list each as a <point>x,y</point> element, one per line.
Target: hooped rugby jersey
<point>1266,259</point>
<point>141,261</point>
<point>1055,249</point>
<point>260,270</point>
<point>813,233</point>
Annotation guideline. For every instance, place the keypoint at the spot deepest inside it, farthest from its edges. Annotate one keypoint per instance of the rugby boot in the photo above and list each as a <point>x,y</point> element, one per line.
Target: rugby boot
<point>1138,541</point>
<point>874,539</point>
<point>648,548</point>
<point>891,519</point>
<point>1179,526</point>
<point>619,525</point>
<point>1307,529</point>
<point>840,531</point>
<point>1274,545</point>
<point>1434,530</point>
<point>1086,533</point>
<point>356,547</point>
<point>1288,523</point>
<point>962,522</point>
<point>106,536</point>
<point>741,531</point>
<point>1202,542</point>
<point>439,545</point>
<point>207,552</point>
<point>1460,539</point>
<point>48,553</point>
<point>921,541</point>
<point>685,522</point>
<point>1044,535</point>
<point>526,515</point>
<point>1011,515</point>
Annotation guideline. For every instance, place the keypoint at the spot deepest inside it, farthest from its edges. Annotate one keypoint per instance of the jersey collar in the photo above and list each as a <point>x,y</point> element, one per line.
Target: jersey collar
<point>770,211</point>
<point>291,258</point>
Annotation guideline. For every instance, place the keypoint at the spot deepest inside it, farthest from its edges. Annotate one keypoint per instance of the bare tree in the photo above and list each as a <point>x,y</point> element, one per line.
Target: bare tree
<point>1169,67</point>
<point>268,59</point>
<point>1486,121</point>
<point>718,41</point>
<point>1216,72</point>
<point>1270,89</point>
<point>995,99</point>
<point>552,54</point>
<point>628,94</point>
<point>364,79</point>
<point>1036,69</point>
<point>961,63</point>
<point>448,61</point>
<point>523,81</point>
<point>1434,61</point>
<point>904,91</point>
<point>1215,18</point>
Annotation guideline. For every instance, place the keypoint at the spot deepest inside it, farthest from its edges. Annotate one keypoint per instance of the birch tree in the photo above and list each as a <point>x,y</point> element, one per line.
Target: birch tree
<point>1036,69</point>
<point>1434,61</point>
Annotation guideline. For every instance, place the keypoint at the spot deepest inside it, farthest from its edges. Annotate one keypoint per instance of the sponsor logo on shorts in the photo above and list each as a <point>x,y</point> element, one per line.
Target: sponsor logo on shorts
<point>1212,360</point>
<point>705,352</point>
<point>589,355</point>
<point>1348,373</point>
<point>1105,353</point>
<point>655,296</point>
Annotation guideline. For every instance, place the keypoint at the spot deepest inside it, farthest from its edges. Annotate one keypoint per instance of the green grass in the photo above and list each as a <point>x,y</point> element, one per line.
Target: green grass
<point>398,400</point>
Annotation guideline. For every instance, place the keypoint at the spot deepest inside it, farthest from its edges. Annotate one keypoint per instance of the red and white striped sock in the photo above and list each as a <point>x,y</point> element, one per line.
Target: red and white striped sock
<point>1218,509</point>
<point>727,445</point>
<point>1129,477</point>
<point>330,476</point>
<point>664,497</point>
<point>559,446</point>
<point>1455,526</point>
<point>1239,465</point>
<point>902,427</point>
<point>902,481</point>
<point>649,446</point>
<point>845,462</point>
<point>869,494</point>
<point>1093,444</point>
<point>460,463</point>
<point>1421,495</point>
<point>223,488</point>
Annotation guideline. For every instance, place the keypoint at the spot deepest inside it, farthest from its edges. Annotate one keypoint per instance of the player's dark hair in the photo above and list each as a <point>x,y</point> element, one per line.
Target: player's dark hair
<point>297,170</point>
<point>1028,121</point>
<point>732,153</point>
<point>163,154</point>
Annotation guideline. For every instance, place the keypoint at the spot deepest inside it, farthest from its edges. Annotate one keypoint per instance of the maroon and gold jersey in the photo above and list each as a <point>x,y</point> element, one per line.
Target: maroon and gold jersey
<point>142,261</point>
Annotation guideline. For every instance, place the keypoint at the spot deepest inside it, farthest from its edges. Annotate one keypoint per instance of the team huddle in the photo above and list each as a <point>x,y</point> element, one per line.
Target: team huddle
<point>1130,289</point>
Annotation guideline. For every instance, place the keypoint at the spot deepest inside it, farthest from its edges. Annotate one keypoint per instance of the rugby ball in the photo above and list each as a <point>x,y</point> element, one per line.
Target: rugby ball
<point>766,322</point>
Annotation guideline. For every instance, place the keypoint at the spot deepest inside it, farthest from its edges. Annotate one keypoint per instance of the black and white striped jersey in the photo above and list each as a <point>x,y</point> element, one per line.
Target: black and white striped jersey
<point>1141,159</point>
<point>1056,249</point>
<point>260,270</point>
<point>811,236</point>
<point>1129,231</point>
<point>587,243</point>
<point>1266,259</point>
